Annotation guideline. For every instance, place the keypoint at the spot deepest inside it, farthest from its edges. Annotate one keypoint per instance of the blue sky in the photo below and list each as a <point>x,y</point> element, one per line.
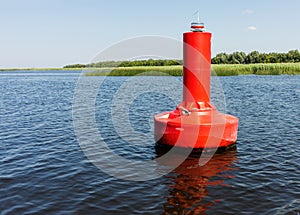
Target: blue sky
<point>53,33</point>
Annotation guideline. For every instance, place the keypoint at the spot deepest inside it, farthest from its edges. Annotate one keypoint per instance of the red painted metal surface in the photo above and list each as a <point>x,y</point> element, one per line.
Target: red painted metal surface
<point>196,123</point>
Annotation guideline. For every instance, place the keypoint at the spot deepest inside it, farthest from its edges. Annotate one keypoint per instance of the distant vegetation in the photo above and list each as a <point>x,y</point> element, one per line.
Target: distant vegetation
<point>106,64</point>
<point>254,57</point>
<point>136,70</point>
<point>219,70</point>
<point>257,69</point>
<point>292,56</point>
<point>237,63</point>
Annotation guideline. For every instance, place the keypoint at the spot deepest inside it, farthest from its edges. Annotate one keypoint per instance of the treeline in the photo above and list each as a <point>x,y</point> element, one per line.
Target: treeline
<point>292,56</point>
<point>254,57</point>
<point>149,62</point>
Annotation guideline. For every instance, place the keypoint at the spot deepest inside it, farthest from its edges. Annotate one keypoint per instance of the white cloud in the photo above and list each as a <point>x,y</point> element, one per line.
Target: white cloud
<point>251,28</point>
<point>247,12</point>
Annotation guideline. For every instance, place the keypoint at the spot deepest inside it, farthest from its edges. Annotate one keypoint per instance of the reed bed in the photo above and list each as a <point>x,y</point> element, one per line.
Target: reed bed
<point>217,69</point>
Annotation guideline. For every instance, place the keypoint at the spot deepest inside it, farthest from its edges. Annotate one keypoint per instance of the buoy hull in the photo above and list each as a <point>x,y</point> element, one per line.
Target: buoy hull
<point>198,130</point>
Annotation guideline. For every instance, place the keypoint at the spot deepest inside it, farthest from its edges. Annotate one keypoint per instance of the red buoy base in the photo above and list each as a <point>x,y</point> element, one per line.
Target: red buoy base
<point>196,129</point>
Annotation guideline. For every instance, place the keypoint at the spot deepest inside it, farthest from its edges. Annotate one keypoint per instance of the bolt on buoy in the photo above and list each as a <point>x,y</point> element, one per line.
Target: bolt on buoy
<point>196,123</point>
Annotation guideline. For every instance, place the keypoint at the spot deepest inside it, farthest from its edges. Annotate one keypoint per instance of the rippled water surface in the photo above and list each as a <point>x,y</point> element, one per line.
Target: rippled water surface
<point>43,169</point>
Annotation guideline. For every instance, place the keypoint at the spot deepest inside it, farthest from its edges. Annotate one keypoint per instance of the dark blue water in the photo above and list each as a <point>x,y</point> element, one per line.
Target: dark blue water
<point>43,169</point>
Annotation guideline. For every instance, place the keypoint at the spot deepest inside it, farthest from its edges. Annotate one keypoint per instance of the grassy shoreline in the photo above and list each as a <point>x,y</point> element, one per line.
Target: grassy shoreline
<point>217,69</point>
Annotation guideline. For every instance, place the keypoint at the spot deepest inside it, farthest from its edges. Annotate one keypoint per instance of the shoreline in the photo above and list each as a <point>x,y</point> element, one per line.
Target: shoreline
<point>217,69</point>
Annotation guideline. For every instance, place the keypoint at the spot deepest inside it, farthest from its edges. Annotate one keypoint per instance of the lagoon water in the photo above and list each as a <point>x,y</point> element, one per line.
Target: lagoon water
<point>43,169</point>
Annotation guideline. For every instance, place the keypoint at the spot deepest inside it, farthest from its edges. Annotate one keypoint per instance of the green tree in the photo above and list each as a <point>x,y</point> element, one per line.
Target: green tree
<point>293,56</point>
<point>252,57</point>
<point>237,58</point>
<point>221,58</point>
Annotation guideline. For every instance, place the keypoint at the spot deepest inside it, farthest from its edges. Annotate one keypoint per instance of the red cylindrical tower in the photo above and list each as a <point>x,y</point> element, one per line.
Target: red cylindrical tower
<point>196,66</point>
<point>196,123</point>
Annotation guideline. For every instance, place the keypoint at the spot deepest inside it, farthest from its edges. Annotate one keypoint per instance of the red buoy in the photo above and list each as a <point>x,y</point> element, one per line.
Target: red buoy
<point>196,123</point>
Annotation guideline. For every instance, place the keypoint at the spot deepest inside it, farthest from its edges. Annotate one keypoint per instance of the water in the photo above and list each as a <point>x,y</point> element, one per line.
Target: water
<point>44,170</point>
